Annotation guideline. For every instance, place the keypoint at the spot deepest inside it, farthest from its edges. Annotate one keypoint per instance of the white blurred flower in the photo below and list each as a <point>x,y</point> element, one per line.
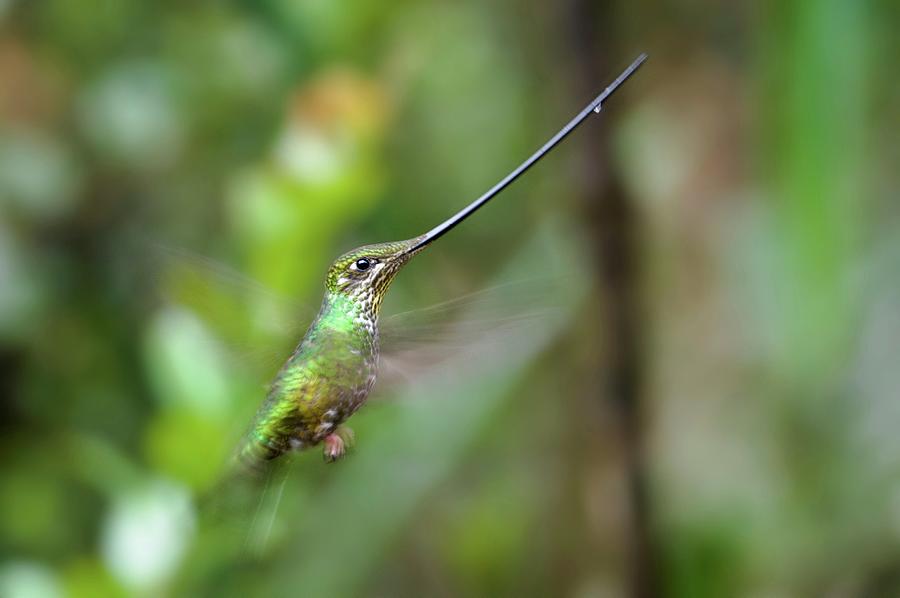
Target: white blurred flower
<point>37,174</point>
<point>146,534</point>
<point>310,156</point>
<point>131,116</point>
<point>185,362</point>
<point>23,579</point>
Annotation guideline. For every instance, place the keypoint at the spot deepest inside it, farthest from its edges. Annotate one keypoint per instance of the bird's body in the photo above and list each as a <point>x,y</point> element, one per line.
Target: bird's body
<point>325,380</point>
<point>331,372</point>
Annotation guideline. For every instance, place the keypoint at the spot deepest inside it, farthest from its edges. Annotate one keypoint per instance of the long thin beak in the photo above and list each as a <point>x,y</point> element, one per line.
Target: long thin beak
<point>592,108</point>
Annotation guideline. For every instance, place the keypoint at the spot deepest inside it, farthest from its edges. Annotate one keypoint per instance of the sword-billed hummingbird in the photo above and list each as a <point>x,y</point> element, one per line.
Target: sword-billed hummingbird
<point>332,370</point>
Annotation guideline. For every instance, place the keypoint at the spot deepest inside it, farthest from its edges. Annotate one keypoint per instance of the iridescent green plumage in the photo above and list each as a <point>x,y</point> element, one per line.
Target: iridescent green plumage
<point>332,370</point>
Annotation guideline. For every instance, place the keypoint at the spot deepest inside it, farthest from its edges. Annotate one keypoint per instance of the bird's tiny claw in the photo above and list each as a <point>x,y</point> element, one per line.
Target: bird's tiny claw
<point>334,448</point>
<point>337,443</point>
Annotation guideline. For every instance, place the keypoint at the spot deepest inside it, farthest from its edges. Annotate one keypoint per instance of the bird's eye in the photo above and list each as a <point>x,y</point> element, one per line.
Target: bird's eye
<point>362,264</point>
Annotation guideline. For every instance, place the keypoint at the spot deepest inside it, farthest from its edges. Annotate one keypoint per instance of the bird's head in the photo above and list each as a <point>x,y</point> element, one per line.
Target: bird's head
<point>365,273</point>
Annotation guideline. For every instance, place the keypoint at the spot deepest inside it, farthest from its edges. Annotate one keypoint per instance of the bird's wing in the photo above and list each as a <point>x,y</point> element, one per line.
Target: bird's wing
<point>416,341</point>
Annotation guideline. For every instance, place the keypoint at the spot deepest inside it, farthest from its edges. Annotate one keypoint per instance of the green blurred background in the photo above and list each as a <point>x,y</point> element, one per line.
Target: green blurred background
<point>712,409</point>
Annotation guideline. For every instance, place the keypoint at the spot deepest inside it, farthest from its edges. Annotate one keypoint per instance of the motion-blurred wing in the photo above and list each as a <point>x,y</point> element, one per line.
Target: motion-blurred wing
<point>256,326</point>
<point>416,341</point>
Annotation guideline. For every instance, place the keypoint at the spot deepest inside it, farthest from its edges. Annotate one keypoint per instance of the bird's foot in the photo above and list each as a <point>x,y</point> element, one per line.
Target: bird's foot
<point>336,444</point>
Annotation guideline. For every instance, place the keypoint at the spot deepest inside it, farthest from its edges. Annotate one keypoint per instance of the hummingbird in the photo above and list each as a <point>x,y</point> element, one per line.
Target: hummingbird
<point>332,370</point>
